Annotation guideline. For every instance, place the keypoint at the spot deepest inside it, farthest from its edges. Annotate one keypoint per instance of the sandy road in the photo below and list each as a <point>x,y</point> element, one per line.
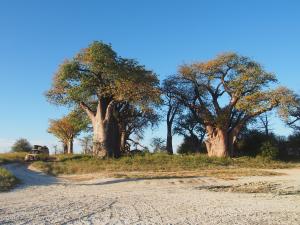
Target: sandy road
<point>43,199</point>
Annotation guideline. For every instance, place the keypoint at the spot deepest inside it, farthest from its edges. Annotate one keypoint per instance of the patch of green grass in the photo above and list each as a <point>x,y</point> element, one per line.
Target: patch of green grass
<point>153,163</point>
<point>12,157</point>
<point>7,180</point>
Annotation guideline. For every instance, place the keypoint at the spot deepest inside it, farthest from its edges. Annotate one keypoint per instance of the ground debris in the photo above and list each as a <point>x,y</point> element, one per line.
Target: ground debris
<point>253,187</point>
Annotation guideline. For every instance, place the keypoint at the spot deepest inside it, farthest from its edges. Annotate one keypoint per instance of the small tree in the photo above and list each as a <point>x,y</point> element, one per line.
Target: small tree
<point>67,128</point>
<point>21,145</point>
<point>158,144</point>
<point>86,143</point>
<point>264,121</point>
<point>225,94</point>
<point>132,122</point>
<point>173,108</point>
<point>193,132</point>
<point>269,150</point>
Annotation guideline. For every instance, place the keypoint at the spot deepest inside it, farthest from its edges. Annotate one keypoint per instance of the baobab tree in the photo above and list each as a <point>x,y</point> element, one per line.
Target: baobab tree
<point>67,128</point>
<point>97,80</point>
<point>293,116</point>
<point>225,93</point>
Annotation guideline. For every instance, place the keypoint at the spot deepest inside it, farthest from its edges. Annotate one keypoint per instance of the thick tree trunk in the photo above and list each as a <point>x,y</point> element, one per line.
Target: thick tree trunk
<point>169,146</point>
<point>70,147</point>
<point>217,142</point>
<point>106,138</point>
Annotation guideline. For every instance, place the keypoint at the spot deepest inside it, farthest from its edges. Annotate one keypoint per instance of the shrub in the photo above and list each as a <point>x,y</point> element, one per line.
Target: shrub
<point>7,180</point>
<point>191,145</point>
<point>269,150</point>
<point>251,141</point>
<point>21,145</point>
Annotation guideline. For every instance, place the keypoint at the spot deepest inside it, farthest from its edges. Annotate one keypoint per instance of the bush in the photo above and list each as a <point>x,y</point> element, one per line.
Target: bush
<point>251,141</point>
<point>269,150</point>
<point>21,145</point>
<point>191,145</point>
<point>7,180</point>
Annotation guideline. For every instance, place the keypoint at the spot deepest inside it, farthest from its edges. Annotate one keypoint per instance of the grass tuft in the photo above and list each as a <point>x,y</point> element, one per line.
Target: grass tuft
<point>7,180</point>
<point>12,157</point>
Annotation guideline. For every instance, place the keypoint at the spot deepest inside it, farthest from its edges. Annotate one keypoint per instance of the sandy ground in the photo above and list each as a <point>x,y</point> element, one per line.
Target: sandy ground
<point>43,199</point>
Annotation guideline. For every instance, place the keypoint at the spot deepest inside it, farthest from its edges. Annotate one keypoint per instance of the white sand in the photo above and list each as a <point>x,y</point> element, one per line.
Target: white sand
<point>46,200</point>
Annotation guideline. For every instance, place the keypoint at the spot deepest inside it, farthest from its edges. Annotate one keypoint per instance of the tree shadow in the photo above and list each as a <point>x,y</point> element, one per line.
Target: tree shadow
<point>124,180</point>
<point>29,177</point>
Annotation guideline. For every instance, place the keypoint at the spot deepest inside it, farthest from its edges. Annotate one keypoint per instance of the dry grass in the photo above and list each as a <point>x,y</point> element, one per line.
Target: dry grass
<point>161,166</point>
<point>12,157</point>
<point>7,180</point>
<point>253,187</point>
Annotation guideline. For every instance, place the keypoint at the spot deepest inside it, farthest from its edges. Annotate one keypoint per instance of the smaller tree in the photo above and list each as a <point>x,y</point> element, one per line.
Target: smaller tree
<point>21,145</point>
<point>269,150</point>
<point>67,128</point>
<point>173,108</point>
<point>158,144</point>
<point>87,144</point>
<point>264,122</point>
<point>193,132</point>
<point>132,122</point>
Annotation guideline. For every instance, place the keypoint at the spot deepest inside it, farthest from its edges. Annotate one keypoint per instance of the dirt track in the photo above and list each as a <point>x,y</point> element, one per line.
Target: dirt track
<point>43,199</point>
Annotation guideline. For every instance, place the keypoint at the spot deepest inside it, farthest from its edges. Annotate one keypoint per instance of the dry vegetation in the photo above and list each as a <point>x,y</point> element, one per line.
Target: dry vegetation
<point>12,157</point>
<point>253,187</point>
<point>162,166</point>
<point>7,180</point>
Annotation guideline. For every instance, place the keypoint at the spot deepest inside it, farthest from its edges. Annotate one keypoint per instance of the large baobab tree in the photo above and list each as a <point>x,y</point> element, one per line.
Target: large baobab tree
<point>225,93</point>
<point>97,80</point>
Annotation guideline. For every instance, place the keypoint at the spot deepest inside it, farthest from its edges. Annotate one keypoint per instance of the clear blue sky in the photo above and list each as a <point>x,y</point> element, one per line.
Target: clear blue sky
<point>36,36</point>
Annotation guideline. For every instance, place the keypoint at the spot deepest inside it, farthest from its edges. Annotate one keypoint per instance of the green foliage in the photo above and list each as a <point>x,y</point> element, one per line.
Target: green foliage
<point>97,71</point>
<point>269,150</point>
<point>7,180</point>
<point>294,140</point>
<point>70,126</point>
<point>250,142</point>
<point>21,145</point>
<point>190,145</point>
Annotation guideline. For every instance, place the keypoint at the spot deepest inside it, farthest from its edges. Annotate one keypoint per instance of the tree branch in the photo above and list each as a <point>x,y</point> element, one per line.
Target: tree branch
<point>87,109</point>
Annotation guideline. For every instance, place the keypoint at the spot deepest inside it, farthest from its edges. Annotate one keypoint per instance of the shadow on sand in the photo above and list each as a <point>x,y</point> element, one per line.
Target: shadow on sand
<point>31,178</point>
